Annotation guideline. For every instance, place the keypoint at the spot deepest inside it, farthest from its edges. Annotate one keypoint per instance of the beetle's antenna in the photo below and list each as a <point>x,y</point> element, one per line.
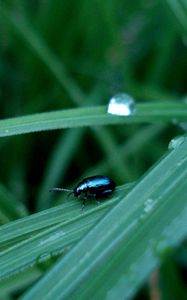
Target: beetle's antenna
<point>60,190</point>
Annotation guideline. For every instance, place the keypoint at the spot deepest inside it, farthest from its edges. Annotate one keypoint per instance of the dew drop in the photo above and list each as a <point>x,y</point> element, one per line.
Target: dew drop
<point>43,257</point>
<point>176,142</point>
<point>44,261</point>
<point>52,238</point>
<point>148,206</point>
<point>121,104</point>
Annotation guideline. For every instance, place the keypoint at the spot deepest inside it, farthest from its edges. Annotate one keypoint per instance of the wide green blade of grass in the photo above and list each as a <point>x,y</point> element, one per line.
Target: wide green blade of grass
<point>52,231</point>
<point>51,241</point>
<point>19,281</point>
<point>145,112</point>
<point>117,255</point>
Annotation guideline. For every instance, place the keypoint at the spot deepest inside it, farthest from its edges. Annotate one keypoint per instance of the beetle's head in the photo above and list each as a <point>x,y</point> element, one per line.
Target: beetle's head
<point>76,192</point>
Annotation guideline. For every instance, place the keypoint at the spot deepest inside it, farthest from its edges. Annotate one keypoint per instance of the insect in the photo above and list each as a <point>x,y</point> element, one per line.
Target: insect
<point>91,187</point>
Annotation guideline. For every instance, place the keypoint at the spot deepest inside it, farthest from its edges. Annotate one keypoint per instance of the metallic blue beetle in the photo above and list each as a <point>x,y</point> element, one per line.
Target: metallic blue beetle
<point>92,187</point>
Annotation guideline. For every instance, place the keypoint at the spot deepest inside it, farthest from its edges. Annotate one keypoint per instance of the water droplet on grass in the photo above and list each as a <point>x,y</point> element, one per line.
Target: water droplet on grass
<point>122,105</point>
<point>44,261</point>
<point>176,142</point>
<point>44,257</point>
<point>148,205</point>
<point>52,238</point>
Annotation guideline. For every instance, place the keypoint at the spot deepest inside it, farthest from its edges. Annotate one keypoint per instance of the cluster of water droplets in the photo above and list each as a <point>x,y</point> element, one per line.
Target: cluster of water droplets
<point>121,105</point>
<point>148,205</point>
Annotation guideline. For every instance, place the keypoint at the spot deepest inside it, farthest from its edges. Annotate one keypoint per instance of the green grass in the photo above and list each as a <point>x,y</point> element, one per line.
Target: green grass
<point>94,116</point>
<point>60,63</point>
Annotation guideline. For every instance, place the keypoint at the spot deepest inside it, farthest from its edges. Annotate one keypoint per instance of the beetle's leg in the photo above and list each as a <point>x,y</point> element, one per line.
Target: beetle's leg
<point>83,205</point>
<point>83,202</point>
<point>94,196</point>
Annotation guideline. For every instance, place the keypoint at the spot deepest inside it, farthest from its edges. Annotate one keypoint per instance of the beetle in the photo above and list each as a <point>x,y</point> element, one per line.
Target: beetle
<point>96,187</point>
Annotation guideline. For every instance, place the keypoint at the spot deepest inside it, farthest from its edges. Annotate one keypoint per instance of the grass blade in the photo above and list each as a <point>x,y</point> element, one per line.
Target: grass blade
<point>21,249</point>
<point>153,112</point>
<point>128,241</point>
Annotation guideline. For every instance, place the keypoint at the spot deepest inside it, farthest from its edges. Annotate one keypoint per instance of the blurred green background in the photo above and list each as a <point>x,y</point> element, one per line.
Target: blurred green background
<point>58,54</point>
